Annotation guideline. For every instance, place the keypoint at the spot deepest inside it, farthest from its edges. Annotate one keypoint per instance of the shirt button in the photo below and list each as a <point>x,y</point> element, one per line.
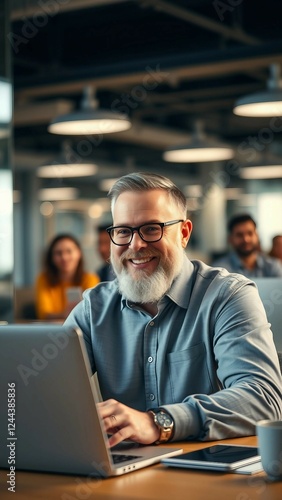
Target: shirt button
<point>152,323</point>
<point>150,359</point>
<point>152,397</point>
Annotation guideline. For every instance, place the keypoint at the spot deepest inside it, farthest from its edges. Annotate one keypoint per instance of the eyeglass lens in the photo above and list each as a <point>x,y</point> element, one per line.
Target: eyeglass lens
<point>149,232</point>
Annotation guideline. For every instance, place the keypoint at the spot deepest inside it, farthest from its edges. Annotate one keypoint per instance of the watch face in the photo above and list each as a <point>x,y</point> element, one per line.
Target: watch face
<point>164,420</point>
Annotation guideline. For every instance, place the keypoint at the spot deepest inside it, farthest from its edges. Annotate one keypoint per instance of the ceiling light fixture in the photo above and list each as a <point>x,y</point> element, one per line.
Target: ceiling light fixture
<point>233,193</point>
<point>248,200</point>
<point>4,131</point>
<point>106,184</point>
<point>6,101</point>
<point>58,194</point>
<point>266,103</point>
<point>89,119</point>
<point>262,172</point>
<point>95,211</point>
<point>269,166</point>
<point>67,170</point>
<point>68,165</point>
<point>201,148</point>
<point>193,190</point>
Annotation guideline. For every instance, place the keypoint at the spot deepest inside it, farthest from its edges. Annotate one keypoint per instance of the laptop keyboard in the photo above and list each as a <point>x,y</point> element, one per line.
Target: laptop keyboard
<point>117,458</point>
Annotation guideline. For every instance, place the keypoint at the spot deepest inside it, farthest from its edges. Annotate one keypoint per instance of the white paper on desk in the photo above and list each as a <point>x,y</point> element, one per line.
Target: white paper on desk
<point>249,469</point>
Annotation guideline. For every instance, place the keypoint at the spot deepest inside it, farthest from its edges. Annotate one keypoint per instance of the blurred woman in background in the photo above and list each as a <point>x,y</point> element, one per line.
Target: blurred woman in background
<point>60,286</point>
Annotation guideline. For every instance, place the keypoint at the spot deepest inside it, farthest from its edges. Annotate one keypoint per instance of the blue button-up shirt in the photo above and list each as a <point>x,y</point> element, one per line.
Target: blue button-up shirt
<point>207,356</point>
<point>265,266</point>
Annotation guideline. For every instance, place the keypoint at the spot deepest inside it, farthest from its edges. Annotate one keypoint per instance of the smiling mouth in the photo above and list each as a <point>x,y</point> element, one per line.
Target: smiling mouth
<point>141,261</point>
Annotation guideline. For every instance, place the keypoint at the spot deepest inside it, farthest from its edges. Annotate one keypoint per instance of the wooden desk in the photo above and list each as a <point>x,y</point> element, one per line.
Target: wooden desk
<point>152,483</point>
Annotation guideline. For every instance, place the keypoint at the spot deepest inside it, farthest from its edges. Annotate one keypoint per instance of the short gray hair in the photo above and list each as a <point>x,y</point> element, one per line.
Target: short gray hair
<point>143,181</point>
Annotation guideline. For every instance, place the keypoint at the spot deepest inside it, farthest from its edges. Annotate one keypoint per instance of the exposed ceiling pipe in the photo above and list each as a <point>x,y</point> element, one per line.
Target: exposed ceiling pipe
<point>21,9</point>
<point>202,22</point>
<point>189,71</point>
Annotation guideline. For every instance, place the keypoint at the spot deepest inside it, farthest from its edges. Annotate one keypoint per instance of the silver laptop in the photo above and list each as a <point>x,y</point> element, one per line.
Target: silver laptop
<point>48,419</point>
<point>270,291</point>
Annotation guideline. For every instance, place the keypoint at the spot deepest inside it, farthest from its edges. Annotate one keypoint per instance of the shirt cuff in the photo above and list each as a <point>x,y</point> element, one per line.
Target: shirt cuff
<point>186,421</point>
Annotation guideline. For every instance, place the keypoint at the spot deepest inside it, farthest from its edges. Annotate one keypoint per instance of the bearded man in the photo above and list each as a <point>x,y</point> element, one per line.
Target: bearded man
<point>181,350</point>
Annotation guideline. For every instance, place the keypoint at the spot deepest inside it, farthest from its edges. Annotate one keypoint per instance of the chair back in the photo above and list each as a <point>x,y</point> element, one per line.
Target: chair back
<point>270,291</point>
<point>24,300</point>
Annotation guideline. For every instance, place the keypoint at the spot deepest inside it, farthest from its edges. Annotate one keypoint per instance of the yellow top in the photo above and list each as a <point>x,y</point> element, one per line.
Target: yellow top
<point>52,300</point>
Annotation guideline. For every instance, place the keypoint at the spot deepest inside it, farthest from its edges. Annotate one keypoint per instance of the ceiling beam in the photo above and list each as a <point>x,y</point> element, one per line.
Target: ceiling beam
<point>228,62</point>
<point>40,113</point>
<point>153,136</point>
<point>22,9</point>
<point>187,108</point>
<point>203,22</point>
<point>201,93</point>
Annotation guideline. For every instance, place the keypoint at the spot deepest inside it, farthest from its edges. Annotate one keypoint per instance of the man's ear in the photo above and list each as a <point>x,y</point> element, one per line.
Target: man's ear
<point>187,227</point>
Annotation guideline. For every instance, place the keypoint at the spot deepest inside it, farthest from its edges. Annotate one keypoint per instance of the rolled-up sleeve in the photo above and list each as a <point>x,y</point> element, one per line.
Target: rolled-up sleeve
<point>247,369</point>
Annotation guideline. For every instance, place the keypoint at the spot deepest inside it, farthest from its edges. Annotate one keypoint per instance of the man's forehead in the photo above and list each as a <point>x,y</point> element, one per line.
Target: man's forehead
<point>145,205</point>
<point>144,200</point>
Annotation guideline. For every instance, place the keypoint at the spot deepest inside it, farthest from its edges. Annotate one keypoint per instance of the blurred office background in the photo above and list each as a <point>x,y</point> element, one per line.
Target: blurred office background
<point>177,69</point>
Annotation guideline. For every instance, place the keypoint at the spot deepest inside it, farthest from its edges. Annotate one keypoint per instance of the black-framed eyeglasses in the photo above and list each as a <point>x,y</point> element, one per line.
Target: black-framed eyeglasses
<point>150,233</point>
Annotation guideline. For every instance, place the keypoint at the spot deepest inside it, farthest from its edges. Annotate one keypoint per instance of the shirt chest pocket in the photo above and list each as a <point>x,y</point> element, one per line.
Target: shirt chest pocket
<point>188,372</point>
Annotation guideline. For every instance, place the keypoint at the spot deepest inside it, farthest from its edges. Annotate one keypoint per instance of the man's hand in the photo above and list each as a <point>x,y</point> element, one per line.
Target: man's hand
<point>125,423</point>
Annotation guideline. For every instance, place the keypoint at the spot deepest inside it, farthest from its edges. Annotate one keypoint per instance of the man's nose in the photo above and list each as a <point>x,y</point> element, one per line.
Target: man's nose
<point>137,241</point>
<point>247,237</point>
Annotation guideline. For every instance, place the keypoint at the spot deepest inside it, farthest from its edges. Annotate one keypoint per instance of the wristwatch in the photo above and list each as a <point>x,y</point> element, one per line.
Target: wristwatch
<point>165,423</point>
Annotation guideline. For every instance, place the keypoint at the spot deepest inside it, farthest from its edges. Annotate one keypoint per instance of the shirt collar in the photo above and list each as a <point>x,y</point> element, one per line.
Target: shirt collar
<point>181,288</point>
<point>236,261</point>
<point>259,262</point>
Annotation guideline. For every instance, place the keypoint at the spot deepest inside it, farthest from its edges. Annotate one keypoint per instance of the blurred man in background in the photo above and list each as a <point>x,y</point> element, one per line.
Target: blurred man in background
<point>246,257</point>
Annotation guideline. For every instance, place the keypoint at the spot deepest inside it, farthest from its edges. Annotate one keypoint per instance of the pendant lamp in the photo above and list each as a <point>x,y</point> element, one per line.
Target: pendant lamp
<point>89,119</point>
<point>69,164</point>
<point>266,103</point>
<point>201,148</point>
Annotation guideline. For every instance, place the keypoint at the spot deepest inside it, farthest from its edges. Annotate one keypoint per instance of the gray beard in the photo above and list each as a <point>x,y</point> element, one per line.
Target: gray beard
<point>146,289</point>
